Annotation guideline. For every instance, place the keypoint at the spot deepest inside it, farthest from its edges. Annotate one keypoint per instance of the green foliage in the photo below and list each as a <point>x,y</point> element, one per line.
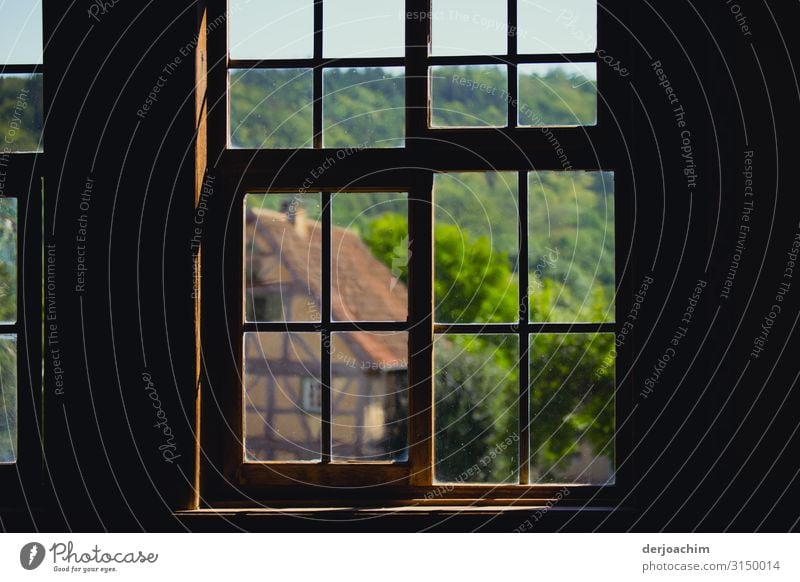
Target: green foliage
<point>357,211</point>
<point>476,409</point>
<point>21,112</point>
<point>473,282</point>
<point>557,98</point>
<point>571,242</point>
<point>8,399</point>
<point>477,377</point>
<point>8,260</point>
<point>572,402</point>
<point>271,108</point>
<point>469,96</point>
<point>363,107</point>
<point>385,238</point>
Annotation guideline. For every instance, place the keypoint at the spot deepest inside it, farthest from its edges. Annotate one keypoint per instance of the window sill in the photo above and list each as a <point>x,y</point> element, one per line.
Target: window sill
<point>441,517</point>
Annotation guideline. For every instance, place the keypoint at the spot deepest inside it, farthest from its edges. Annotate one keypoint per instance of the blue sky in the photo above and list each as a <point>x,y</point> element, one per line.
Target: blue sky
<point>20,32</point>
<point>262,29</point>
<point>370,28</point>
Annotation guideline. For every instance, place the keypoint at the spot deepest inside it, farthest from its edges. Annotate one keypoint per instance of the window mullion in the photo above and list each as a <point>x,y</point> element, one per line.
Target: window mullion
<point>325,298</point>
<point>512,63</point>
<point>420,337</point>
<point>417,33</point>
<point>524,330</point>
<point>317,88</point>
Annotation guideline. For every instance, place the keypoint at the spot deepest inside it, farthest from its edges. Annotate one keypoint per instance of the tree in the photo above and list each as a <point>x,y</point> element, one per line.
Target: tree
<point>477,377</point>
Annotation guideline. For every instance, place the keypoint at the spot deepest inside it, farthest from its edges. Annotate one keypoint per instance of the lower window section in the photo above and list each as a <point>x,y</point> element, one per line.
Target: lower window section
<point>369,396</point>
<point>572,408</point>
<point>284,402</point>
<point>476,409</point>
<point>8,399</point>
<point>282,413</point>
<point>570,426</point>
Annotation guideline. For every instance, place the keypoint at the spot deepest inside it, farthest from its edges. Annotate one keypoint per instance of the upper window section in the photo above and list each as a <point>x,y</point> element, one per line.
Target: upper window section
<point>332,73</point>
<point>317,74</point>
<point>21,105</point>
<point>21,33</point>
<point>513,63</point>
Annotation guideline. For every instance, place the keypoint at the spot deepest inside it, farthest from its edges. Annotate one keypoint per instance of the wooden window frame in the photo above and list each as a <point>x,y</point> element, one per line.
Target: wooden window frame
<point>224,479</point>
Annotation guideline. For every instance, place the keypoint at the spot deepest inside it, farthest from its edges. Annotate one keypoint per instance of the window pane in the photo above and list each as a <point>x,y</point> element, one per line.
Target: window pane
<point>470,96</point>
<point>469,27</point>
<point>277,29</point>
<point>476,246</point>
<point>557,94</point>
<point>21,113</point>
<point>8,399</point>
<point>282,396</point>
<point>8,260</point>
<point>271,108</point>
<point>283,254</point>
<point>21,32</point>
<point>476,409</point>
<point>572,408</point>
<point>557,26</point>
<point>364,107</point>
<point>571,246</point>
<point>354,28</point>
<point>369,256</point>
<point>369,396</point>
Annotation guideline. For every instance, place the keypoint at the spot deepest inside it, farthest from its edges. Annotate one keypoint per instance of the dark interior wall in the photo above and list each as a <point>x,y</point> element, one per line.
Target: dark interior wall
<point>717,443</point>
<point>121,116</point>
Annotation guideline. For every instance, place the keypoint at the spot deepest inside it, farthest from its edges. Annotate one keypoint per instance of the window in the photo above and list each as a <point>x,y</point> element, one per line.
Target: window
<point>312,395</point>
<point>21,119</point>
<point>8,341</point>
<point>429,284</point>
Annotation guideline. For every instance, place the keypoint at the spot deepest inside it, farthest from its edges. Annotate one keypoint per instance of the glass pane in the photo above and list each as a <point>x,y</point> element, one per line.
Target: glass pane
<point>21,32</point>
<point>8,260</point>
<point>21,114</point>
<point>369,396</point>
<point>557,26</point>
<point>364,108</point>
<point>476,409</point>
<point>277,29</point>
<point>571,246</point>
<point>572,408</point>
<point>354,28</point>
<point>469,27</point>
<point>469,96</point>
<point>283,254</point>
<point>476,244</point>
<point>8,399</point>
<point>271,108</point>
<point>557,94</point>
<point>369,256</point>
<point>282,386</point>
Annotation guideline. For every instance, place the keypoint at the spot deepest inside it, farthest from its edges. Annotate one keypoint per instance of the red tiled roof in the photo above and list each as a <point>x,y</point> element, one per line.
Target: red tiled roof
<point>363,288</point>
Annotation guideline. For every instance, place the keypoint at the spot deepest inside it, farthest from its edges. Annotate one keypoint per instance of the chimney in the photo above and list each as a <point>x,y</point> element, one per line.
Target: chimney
<point>296,216</point>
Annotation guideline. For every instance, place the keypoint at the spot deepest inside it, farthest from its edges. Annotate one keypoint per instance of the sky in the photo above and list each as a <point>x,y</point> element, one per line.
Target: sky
<point>266,29</point>
<point>283,29</point>
<point>20,32</point>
